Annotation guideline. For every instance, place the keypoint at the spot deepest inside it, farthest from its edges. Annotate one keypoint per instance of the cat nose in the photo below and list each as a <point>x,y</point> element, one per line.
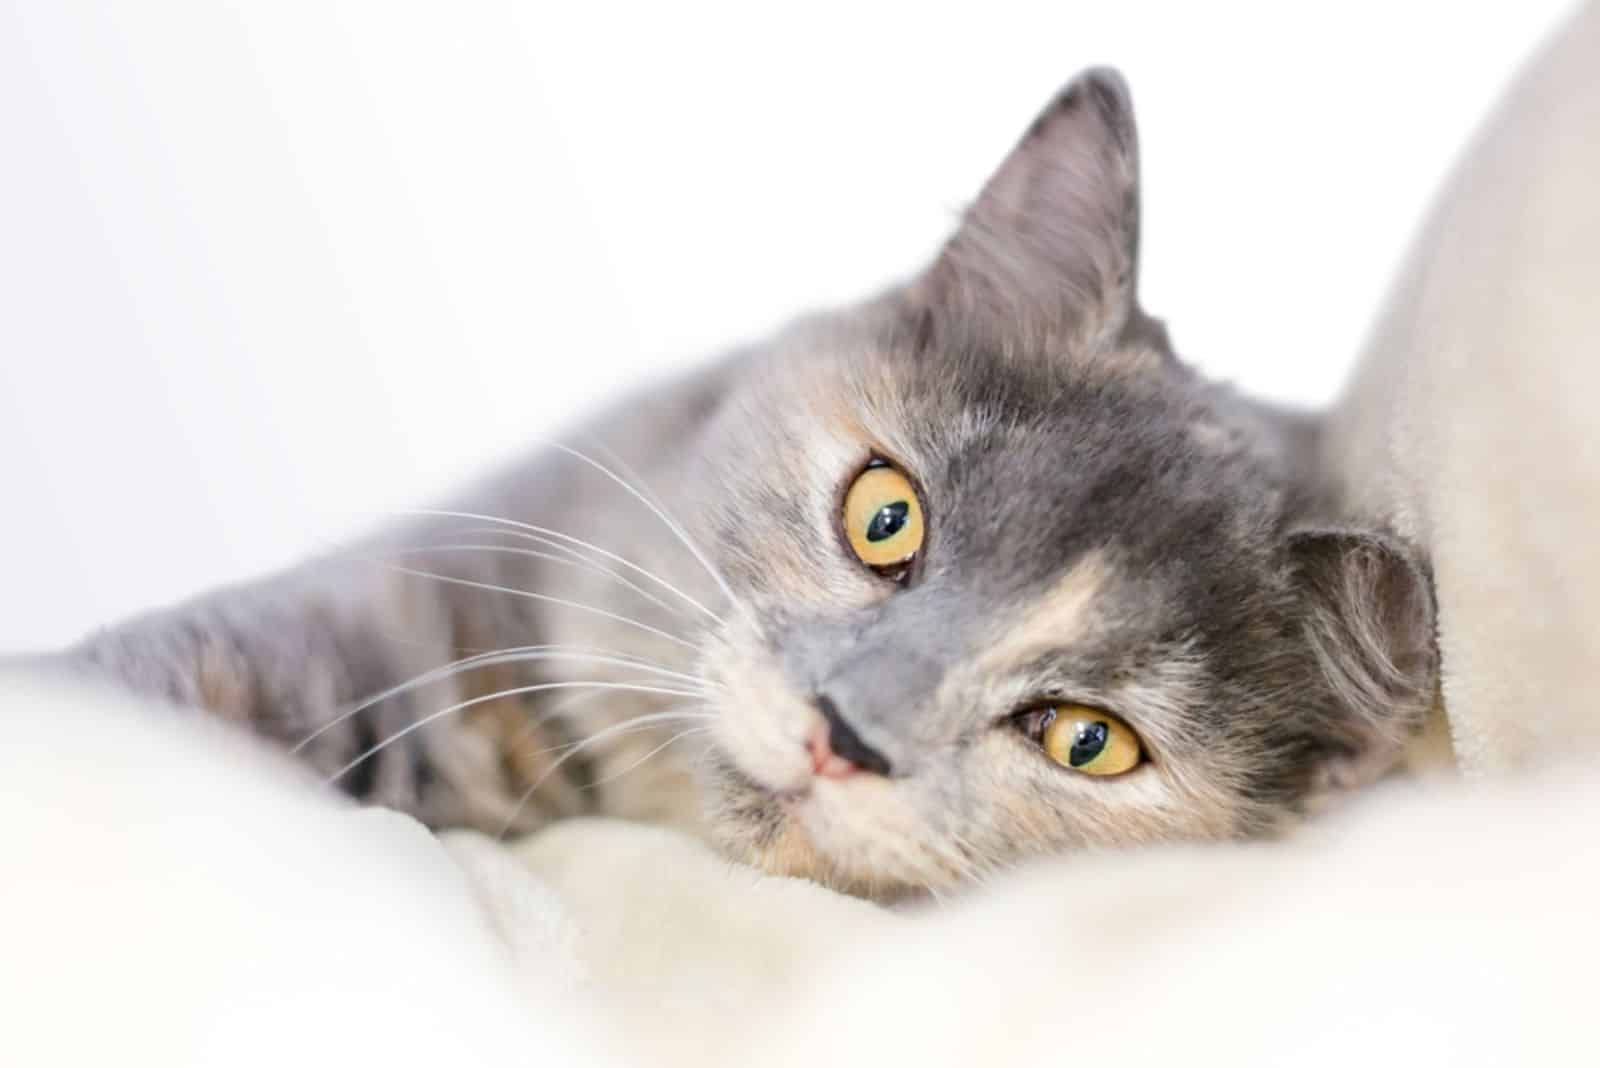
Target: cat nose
<point>837,750</point>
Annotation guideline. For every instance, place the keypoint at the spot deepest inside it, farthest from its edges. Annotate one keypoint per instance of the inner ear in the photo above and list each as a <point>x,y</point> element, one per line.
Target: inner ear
<point>1367,608</point>
<point>1049,249</point>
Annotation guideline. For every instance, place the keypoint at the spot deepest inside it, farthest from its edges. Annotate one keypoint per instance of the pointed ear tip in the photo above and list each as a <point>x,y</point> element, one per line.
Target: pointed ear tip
<point>1101,92</point>
<point>1105,75</point>
<point>1105,86</point>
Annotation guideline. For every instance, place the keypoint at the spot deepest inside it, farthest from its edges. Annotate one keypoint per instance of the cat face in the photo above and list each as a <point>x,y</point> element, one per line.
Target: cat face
<point>1013,581</point>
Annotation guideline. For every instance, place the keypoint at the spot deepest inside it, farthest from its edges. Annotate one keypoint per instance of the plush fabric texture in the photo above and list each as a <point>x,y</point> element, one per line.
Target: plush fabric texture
<point>1470,425</point>
<point>171,896</point>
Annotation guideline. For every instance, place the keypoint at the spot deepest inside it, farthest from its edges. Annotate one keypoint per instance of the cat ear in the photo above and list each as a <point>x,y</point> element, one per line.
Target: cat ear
<point>1368,610</point>
<point>1050,246</point>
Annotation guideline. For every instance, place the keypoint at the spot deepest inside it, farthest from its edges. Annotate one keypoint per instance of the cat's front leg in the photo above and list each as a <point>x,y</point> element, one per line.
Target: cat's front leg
<point>358,672</point>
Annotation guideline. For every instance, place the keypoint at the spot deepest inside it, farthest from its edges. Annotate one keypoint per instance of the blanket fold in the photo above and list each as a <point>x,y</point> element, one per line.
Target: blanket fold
<point>1469,425</point>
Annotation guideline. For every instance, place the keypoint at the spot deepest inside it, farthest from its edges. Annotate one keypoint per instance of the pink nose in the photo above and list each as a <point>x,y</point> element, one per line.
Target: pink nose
<point>837,750</point>
<point>824,761</point>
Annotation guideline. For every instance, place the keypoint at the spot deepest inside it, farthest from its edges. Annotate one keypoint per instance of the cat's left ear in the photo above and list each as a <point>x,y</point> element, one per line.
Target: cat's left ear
<point>1367,607</point>
<point>1048,252</point>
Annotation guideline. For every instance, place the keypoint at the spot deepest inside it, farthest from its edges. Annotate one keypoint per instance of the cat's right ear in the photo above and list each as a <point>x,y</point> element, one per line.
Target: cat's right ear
<point>1047,254</point>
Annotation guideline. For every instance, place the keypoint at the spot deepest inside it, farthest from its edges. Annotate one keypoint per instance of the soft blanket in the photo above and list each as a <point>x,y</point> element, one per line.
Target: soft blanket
<point>172,896</point>
<point>1470,426</point>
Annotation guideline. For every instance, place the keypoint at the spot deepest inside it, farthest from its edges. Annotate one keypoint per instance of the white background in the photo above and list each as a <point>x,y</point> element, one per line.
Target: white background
<point>270,270</point>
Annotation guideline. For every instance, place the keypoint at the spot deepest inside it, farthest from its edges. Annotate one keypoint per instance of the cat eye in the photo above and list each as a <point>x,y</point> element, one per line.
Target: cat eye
<point>1085,739</point>
<point>883,518</point>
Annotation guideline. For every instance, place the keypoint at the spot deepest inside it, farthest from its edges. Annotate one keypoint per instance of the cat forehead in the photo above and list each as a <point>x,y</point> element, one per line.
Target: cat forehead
<point>1023,436</point>
<point>854,378</point>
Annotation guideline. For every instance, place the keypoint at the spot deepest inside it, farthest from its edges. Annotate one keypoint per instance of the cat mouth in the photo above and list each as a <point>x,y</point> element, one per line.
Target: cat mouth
<point>790,800</point>
<point>780,797</point>
<point>844,834</point>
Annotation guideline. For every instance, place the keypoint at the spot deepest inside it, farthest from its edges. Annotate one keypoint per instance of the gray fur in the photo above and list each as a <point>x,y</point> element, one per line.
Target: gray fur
<point>1161,534</point>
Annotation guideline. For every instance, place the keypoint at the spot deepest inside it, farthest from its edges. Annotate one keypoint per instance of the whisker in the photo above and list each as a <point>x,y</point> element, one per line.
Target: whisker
<point>572,749</point>
<point>660,514</point>
<point>666,715</point>
<point>517,654</point>
<point>624,561</point>
<point>924,870</point>
<point>545,598</point>
<point>916,870</point>
<point>675,738</point>
<point>626,470</point>
<point>562,708</point>
<point>500,695</point>
<point>565,561</point>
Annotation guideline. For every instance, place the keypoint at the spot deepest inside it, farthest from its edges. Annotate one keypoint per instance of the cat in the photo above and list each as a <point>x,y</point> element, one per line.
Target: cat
<point>971,572</point>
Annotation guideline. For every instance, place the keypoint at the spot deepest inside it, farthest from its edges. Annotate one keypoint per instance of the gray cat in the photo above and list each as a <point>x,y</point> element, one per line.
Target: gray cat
<point>971,572</point>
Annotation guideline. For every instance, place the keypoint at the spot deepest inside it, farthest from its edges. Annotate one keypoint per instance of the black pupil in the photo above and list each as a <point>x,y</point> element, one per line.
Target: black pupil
<point>889,521</point>
<point>1090,740</point>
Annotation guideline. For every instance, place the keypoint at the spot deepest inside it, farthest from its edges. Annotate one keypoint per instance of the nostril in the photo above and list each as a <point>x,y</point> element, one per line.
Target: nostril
<point>846,743</point>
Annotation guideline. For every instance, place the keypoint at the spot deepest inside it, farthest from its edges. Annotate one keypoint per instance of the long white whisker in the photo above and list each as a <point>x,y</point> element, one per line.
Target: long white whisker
<point>922,870</point>
<point>675,738</point>
<point>660,514</point>
<point>660,505</point>
<point>572,749</point>
<point>916,869</point>
<point>565,561</point>
<point>572,555</point>
<point>515,691</point>
<point>649,718</point>
<point>562,708</point>
<point>544,597</point>
<point>624,561</point>
<point>514,655</point>
<point>622,466</point>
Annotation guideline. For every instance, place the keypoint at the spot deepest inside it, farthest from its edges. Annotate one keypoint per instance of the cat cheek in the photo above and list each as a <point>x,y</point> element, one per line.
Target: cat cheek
<point>762,727</point>
<point>764,748</point>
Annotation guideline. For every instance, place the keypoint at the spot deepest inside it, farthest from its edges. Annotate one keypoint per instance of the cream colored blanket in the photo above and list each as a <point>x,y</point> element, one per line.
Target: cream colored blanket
<point>1471,425</point>
<point>169,895</point>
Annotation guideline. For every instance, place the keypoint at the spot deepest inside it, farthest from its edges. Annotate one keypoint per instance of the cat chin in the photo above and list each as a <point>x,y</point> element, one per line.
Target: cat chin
<point>852,836</point>
<point>792,851</point>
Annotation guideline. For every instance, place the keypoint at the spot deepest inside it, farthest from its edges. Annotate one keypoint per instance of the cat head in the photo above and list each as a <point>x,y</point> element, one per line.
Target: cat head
<point>1012,580</point>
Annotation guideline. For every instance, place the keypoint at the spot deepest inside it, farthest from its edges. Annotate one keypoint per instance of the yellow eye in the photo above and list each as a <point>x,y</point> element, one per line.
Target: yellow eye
<point>1091,741</point>
<point>883,518</point>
